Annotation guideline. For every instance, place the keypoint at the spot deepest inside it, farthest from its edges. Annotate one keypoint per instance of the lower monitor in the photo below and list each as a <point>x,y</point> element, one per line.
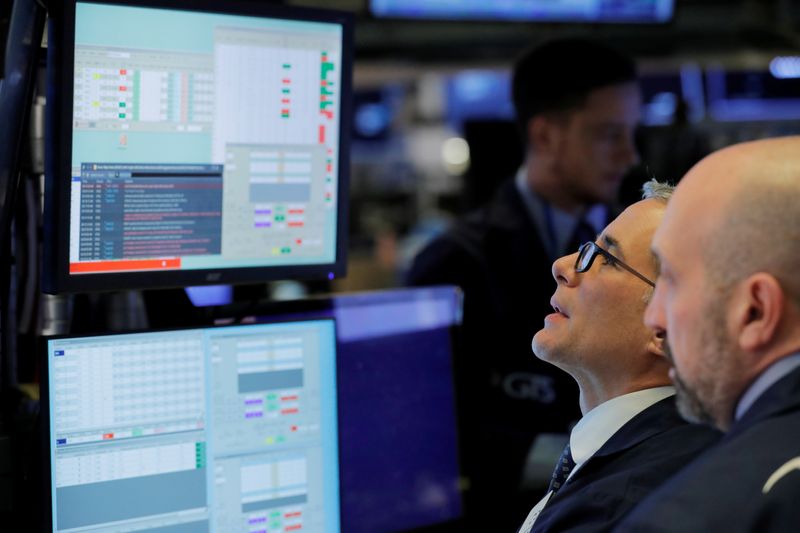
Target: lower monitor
<point>213,429</point>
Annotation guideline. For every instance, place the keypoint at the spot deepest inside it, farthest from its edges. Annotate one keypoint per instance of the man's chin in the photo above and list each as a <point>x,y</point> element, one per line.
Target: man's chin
<point>546,350</point>
<point>690,406</point>
<point>539,347</point>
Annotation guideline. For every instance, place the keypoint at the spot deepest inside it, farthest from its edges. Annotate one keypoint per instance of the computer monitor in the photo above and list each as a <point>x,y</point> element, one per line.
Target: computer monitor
<point>478,95</point>
<point>397,414</point>
<point>214,429</point>
<point>663,91</point>
<point>195,142</point>
<point>602,11</point>
<point>752,95</point>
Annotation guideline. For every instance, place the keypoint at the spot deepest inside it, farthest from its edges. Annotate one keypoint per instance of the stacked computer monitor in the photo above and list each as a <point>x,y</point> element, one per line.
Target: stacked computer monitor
<point>206,142</point>
<point>189,143</point>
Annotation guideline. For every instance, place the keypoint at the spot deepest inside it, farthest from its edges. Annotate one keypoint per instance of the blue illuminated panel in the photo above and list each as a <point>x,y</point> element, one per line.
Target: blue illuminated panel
<point>748,95</point>
<point>478,95</point>
<point>662,91</point>
<point>630,11</point>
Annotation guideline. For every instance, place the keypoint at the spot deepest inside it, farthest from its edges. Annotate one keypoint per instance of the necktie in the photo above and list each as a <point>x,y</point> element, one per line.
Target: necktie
<point>584,232</point>
<point>562,470</point>
<point>560,475</point>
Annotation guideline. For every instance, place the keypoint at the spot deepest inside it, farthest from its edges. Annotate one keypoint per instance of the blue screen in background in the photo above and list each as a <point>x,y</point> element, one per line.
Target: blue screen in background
<point>210,295</point>
<point>749,95</point>
<point>478,95</point>
<point>662,91</point>
<point>622,11</point>
<point>398,462</point>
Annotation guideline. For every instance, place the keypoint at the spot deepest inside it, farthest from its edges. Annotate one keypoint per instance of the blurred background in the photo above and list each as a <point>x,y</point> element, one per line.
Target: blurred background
<point>432,119</point>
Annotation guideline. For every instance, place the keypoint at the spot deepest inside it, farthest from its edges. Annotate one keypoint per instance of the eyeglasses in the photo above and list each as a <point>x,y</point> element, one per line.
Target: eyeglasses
<point>589,250</point>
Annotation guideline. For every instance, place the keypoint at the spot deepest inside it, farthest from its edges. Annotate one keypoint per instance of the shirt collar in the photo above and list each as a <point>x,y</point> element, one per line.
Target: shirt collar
<point>598,425</point>
<point>561,223</point>
<point>764,381</point>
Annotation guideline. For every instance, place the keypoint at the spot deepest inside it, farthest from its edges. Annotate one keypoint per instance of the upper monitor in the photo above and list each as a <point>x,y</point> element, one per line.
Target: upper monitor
<point>213,429</point>
<point>610,11</point>
<point>196,142</point>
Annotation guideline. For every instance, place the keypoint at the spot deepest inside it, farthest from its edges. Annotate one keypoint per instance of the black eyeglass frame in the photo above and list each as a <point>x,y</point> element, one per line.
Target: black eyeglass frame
<point>594,250</point>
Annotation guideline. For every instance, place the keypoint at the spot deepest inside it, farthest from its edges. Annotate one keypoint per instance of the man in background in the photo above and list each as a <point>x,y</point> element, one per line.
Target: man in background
<point>631,437</point>
<point>577,104</point>
<point>728,297</point>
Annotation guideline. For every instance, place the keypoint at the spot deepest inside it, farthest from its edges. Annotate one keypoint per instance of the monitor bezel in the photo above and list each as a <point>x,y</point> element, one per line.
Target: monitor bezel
<point>60,85</point>
<point>45,412</point>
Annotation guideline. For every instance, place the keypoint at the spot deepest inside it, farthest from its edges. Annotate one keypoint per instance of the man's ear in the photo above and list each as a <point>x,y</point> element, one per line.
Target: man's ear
<point>656,343</point>
<point>756,311</point>
<point>543,133</point>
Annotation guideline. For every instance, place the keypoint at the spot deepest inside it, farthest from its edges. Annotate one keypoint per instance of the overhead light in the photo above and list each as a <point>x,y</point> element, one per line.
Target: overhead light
<point>455,155</point>
<point>785,67</point>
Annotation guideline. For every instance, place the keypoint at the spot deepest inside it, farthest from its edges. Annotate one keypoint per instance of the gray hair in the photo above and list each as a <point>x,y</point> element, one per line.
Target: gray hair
<point>656,190</point>
<point>661,191</point>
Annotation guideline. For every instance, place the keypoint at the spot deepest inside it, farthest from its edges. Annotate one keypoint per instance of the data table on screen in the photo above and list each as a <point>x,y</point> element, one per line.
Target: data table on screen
<point>217,429</point>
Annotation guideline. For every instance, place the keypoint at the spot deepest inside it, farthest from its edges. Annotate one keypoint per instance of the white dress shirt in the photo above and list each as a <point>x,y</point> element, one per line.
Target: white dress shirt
<point>596,427</point>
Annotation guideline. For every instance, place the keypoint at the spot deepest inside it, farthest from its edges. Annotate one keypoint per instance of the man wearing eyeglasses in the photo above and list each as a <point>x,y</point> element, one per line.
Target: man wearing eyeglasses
<point>577,105</point>
<point>631,437</point>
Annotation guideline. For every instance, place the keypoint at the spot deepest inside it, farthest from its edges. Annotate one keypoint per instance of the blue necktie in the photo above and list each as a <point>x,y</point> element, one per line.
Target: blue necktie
<point>562,470</point>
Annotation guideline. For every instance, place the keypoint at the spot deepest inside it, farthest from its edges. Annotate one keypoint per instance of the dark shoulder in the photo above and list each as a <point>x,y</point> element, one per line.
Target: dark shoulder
<point>442,259</point>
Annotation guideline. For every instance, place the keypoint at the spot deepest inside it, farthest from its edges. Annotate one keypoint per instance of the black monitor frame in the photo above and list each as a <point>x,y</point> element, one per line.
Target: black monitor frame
<point>60,88</point>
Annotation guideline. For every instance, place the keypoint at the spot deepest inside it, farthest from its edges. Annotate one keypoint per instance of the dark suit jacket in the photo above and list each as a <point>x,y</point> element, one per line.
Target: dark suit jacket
<point>723,490</point>
<point>506,395</point>
<point>629,466</point>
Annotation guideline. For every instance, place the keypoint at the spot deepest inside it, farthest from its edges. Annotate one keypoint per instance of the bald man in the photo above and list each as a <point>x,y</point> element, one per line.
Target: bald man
<point>728,297</point>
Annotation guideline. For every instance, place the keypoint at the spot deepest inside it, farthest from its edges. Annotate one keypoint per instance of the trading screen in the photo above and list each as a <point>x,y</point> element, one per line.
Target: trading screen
<point>208,141</point>
<point>220,429</point>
